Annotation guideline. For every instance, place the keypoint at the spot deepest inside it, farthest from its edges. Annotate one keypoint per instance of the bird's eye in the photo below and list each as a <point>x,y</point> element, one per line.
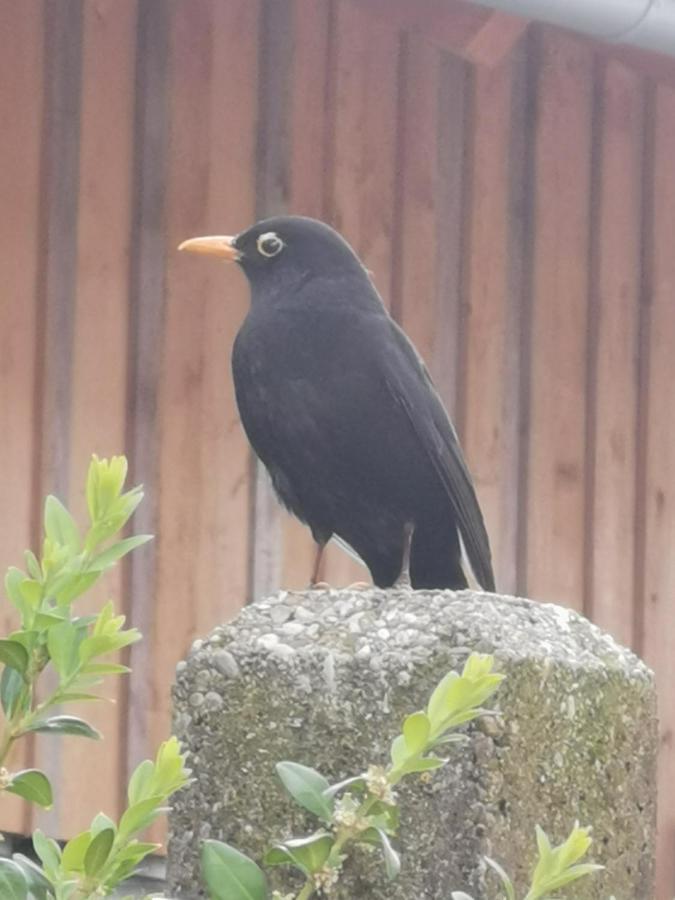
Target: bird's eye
<point>269,244</point>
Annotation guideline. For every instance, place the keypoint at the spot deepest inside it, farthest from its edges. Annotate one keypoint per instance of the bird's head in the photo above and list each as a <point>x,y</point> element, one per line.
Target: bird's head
<point>281,252</point>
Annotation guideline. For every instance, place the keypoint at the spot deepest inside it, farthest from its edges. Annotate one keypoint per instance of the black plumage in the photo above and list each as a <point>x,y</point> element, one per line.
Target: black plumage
<point>341,409</point>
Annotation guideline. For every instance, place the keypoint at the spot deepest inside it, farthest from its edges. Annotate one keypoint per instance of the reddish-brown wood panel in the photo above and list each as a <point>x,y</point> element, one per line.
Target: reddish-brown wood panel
<point>99,363</point>
<point>204,460</point>
<point>308,174</point>
<point>21,66</point>
<point>557,379</point>
<point>658,623</point>
<point>613,348</point>
<point>490,389</point>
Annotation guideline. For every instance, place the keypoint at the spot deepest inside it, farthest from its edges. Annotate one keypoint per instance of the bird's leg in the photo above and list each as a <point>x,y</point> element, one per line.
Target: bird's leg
<point>316,568</point>
<point>403,580</point>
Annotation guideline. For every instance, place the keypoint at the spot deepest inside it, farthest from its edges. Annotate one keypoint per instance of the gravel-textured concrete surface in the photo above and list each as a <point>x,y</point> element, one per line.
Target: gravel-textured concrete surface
<point>325,679</point>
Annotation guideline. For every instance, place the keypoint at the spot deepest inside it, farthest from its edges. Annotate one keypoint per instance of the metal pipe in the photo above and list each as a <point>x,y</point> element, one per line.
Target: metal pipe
<point>643,23</point>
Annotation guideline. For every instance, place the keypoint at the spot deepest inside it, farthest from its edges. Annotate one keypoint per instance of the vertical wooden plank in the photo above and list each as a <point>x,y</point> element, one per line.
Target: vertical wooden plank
<point>307,161</point>
<point>364,98</point>
<point>658,624</point>
<point>63,51</point>
<point>452,203</point>
<point>490,403</point>
<point>203,461</point>
<point>99,381</point>
<point>21,66</point>
<point>613,351</point>
<point>272,171</point>
<point>415,300</point>
<point>145,331</point>
<point>555,502</point>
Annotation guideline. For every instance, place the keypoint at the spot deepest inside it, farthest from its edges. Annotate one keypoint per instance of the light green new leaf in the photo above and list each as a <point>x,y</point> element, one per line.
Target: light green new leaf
<point>47,850</point>
<point>437,708</point>
<point>140,815</point>
<point>307,787</point>
<point>63,641</point>
<point>74,587</point>
<point>13,581</point>
<point>140,781</point>
<point>399,751</point>
<point>33,785</point>
<point>60,526</point>
<point>114,553</point>
<point>416,728</point>
<point>229,875</point>
<point>72,859</point>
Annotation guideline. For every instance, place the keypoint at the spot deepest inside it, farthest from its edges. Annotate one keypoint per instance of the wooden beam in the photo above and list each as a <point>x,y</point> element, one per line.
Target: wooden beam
<point>476,33</point>
<point>657,66</point>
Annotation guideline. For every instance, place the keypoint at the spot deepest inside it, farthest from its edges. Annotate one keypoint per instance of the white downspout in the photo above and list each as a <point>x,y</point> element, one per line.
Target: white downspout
<point>644,23</point>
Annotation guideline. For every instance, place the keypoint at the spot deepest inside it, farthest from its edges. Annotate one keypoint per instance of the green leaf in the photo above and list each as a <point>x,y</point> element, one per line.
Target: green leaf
<point>14,655</point>
<point>100,644</point>
<point>105,669</point>
<point>139,782</point>
<point>229,875</point>
<point>98,852</point>
<point>63,641</point>
<point>33,565</point>
<point>60,526</point>
<point>31,592</point>
<point>438,702</point>
<point>12,694</point>
<point>40,887</point>
<point>507,884</point>
<point>425,764</point>
<point>307,854</point>
<point>135,851</point>
<point>140,815</point>
<point>74,852</point>
<point>399,751</point>
<point>75,586</point>
<point>66,725</point>
<point>13,884</point>
<point>13,581</point>
<point>307,787</point>
<point>100,822</point>
<point>392,863</point>
<point>47,850</point>
<point>32,785</point>
<point>416,730</point>
<point>117,551</point>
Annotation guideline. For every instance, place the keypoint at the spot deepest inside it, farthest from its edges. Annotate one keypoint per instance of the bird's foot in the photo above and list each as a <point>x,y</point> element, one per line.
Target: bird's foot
<point>403,582</point>
<point>319,586</point>
<point>358,586</point>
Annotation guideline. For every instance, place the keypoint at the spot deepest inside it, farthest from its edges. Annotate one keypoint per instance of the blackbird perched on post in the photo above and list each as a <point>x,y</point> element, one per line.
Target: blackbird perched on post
<point>341,410</point>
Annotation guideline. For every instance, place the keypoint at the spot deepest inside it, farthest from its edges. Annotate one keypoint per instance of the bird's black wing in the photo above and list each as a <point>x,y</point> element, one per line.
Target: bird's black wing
<point>411,386</point>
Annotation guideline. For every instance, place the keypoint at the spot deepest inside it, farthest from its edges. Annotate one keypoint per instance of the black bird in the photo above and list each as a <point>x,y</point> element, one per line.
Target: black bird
<point>341,410</point>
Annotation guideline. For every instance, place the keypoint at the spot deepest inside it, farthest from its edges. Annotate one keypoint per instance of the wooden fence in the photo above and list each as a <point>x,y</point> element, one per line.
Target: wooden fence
<point>518,218</point>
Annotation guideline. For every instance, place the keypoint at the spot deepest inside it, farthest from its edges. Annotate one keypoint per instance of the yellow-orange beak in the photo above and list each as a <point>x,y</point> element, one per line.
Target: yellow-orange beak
<point>218,245</point>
